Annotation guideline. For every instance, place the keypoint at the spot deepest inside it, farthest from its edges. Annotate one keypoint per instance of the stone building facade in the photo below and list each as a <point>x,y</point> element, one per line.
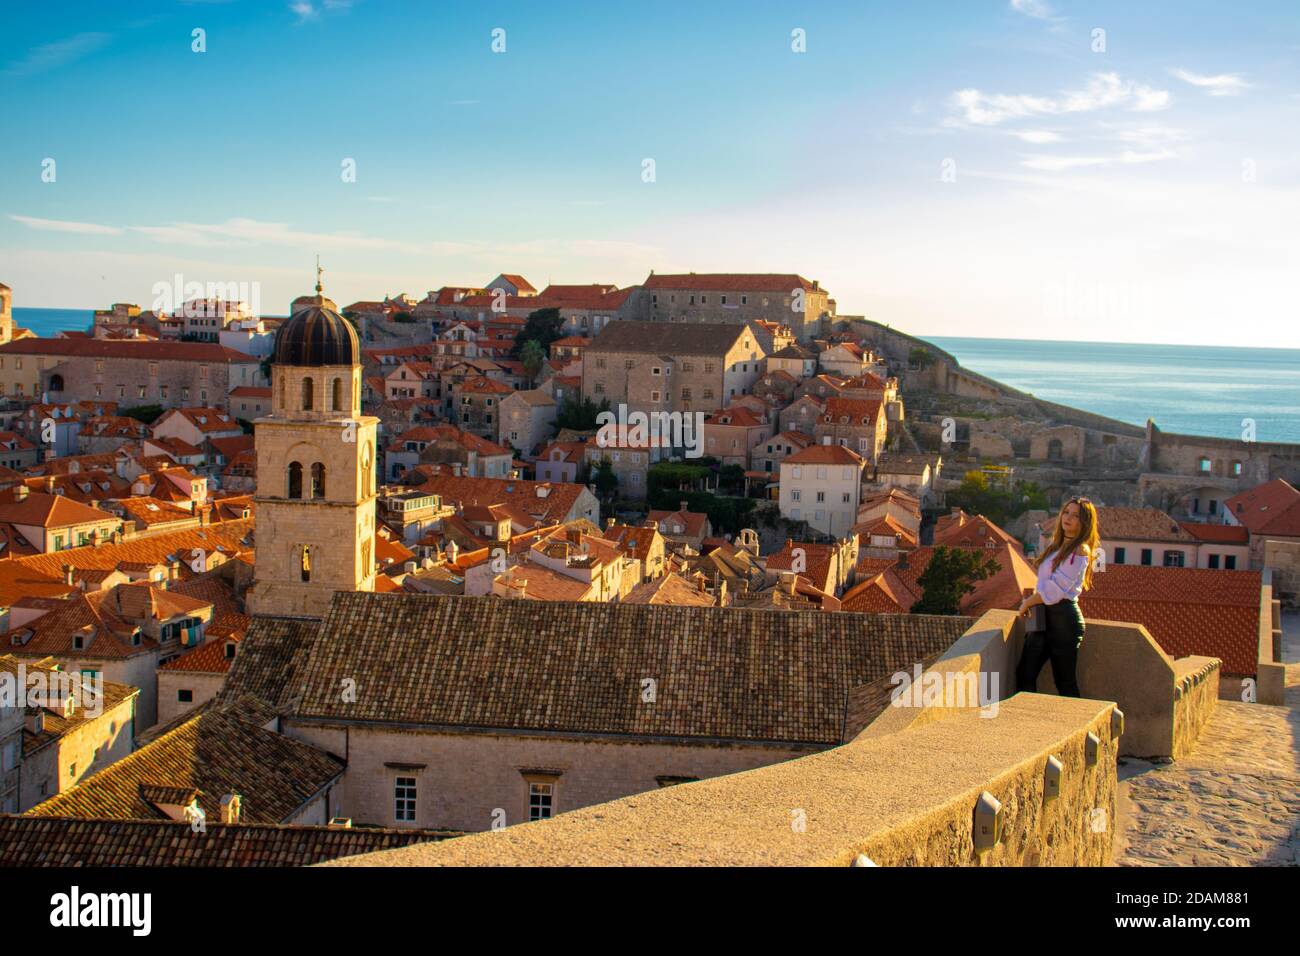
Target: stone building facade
<point>527,419</point>
<point>671,367</point>
<point>170,374</point>
<point>786,299</point>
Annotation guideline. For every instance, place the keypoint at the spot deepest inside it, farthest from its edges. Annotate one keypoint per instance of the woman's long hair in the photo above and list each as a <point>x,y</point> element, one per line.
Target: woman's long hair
<point>1087,539</point>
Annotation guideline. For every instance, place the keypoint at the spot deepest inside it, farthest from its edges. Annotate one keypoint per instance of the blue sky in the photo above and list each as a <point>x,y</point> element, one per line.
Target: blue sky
<point>955,168</point>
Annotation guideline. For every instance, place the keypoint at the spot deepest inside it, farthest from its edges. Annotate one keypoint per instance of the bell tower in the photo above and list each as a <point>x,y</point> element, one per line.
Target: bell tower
<point>6,314</point>
<point>316,466</point>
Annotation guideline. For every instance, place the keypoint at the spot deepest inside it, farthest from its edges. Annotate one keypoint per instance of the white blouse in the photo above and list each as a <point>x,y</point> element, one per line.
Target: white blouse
<point>1066,582</point>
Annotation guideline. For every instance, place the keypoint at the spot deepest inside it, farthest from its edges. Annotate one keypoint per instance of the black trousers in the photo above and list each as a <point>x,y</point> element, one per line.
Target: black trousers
<point>1060,642</point>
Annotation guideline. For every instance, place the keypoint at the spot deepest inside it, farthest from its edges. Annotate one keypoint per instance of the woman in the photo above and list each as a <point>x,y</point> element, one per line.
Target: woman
<point>1064,572</point>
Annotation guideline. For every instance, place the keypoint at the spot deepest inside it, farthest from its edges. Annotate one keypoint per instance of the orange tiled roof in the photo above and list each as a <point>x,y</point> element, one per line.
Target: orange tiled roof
<point>149,551</point>
<point>858,411</point>
<point>826,455</point>
<point>50,511</point>
<point>1271,509</point>
<point>671,589</point>
<point>1189,611</point>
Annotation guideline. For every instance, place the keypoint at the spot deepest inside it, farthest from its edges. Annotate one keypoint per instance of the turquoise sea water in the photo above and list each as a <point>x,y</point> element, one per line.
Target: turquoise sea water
<point>45,322</point>
<point>1191,389</point>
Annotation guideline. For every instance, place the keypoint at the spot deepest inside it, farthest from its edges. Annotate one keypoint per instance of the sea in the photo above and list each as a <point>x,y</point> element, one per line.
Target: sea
<point>46,322</point>
<point>1188,389</point>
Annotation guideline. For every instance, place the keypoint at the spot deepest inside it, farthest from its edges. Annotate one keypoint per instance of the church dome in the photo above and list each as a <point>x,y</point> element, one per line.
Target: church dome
<point>316,335</point>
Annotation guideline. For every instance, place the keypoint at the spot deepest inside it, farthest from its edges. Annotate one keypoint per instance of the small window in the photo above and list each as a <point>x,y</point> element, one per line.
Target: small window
<point>184,696</point>
<point>404,795</point>
<point>541,800</point>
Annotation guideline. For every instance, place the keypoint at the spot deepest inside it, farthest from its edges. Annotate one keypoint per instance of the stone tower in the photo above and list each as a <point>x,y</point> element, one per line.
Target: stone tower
<point>6,314</point>
<point>315,501</point>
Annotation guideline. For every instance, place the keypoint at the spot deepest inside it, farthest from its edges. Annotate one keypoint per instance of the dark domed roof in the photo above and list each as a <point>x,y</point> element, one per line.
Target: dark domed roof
<point>316,335</point>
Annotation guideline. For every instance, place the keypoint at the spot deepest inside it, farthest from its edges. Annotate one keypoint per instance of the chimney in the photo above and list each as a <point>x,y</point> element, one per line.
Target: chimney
<point>230,809</point>
<point>409,567</point>
<point>610,522</point>
<point>788,582</point>
<point>452,551</point>
<point>35,720</point>
<point>20,493</point>
<point>67,574</point>
<point>95,541</point>
<point>49,484</point>
<point>173,571</point>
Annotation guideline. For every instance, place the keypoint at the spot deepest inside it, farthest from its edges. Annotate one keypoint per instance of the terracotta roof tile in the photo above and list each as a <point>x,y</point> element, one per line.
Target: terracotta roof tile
<point>216,752</point>
<point>577,667</point>
<point>80,842</point>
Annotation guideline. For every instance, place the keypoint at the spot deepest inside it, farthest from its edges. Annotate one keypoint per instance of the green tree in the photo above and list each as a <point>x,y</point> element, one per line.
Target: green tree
<point>950,576</point>
<point>580,415</point>
<point>1000,505</point>
<point>605,480</point>
<point>534,357</point>
<point>920,357</point>
<point>543,327</point>
<point>143,413</point>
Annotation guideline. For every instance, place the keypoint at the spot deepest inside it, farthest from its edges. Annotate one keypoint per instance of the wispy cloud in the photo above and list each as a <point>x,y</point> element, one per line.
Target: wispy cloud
<point>1056,164</point>
<point>1224,84</point>
<point>51,56</point>
<point>1036,137</point>
<point>305,10</point>
<point>1032,8</point>
<point>254,232</point>
<point>1103,91</point>
<point>63,225</point>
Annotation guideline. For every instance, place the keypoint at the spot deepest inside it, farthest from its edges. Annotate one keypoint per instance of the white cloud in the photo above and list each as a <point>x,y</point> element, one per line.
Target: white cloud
<point>1224,84</point>
<point>62,225</point>
<point>1032,8</point>
<point>53,55</point>
<point>304,11</point>
<point>1103,91</point>
<point>1036,137</point>
<point>1057,164</point>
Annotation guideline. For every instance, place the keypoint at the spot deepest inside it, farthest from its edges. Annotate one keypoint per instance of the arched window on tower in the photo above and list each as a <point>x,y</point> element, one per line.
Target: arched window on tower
<point>336,395</point>
<point>295,479</point>
<point>317,480</point>
<point>284,386</point>
<point>306,563</point>
<point>306,394</point>
<point>367,477</point>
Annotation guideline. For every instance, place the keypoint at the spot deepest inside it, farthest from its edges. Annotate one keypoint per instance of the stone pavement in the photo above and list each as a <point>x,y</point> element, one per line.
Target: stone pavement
<point>1235,801</point>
